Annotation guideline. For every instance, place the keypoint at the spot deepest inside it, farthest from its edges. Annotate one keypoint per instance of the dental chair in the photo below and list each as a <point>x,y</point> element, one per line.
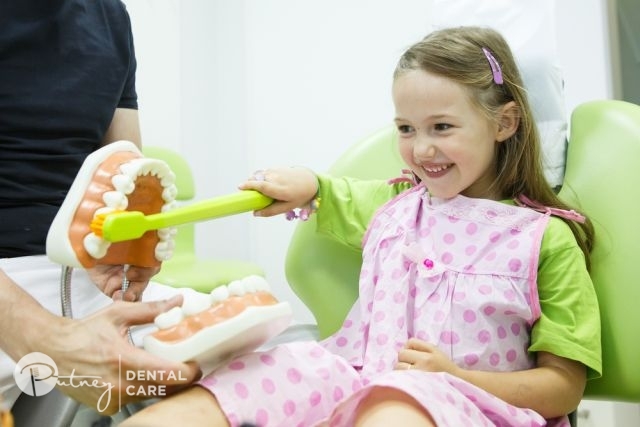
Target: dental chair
<point>601,179</point>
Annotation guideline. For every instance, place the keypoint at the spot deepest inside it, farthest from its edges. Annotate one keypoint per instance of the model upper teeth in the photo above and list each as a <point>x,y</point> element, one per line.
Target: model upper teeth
<point>124,185</point>
<point>115,200</point>
<point>437,168</point>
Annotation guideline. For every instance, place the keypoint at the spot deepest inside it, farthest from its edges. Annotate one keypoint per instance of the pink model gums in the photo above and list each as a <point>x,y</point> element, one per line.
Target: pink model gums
<point>114,178</point>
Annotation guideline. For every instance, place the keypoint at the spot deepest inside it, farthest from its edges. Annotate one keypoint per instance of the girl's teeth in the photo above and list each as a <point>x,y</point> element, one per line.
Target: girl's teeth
<point>437,169</point>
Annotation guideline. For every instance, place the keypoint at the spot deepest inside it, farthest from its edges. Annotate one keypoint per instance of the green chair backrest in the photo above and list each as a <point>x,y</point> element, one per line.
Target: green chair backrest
<point>184,177</point>
<point>322,272</point>
<point>185,183</point>
<point>602,179</point>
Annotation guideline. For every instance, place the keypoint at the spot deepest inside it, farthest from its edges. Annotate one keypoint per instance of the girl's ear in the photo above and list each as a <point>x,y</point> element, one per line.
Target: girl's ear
<point>508,121</point>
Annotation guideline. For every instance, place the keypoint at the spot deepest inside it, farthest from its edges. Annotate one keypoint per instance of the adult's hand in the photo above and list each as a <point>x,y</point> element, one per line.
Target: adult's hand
<point>108,278</point>
<point>100,368</point>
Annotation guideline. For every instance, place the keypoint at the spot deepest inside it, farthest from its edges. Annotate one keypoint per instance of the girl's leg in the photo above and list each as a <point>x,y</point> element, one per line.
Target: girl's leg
<point>387,406</point>
<point>192,407</point>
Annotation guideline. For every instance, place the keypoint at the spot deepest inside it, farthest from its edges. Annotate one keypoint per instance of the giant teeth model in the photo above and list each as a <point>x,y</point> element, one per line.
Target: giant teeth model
<point>117,177</point>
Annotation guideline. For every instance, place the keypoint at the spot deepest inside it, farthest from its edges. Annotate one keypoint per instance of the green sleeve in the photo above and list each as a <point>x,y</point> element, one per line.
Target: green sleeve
<point>569,324</point>
<point>348,204</point>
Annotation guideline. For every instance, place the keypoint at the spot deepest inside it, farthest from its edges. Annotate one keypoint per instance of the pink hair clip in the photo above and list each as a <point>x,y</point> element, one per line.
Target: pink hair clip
<point>495,66</point>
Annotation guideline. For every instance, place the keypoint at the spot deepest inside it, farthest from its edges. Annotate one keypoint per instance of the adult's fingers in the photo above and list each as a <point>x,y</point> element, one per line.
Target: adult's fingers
<point>139,313</point>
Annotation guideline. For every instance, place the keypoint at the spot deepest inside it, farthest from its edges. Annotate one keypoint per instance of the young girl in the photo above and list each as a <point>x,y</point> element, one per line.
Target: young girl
<point>475,305</point>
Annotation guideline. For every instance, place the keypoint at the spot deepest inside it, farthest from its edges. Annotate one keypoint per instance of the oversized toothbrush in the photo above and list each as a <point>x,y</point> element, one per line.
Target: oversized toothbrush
<point>121,209</point>
<point>119,225</point>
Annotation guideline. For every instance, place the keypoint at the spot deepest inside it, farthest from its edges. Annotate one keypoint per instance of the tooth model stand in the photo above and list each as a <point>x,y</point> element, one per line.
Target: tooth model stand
<point>209,328</point>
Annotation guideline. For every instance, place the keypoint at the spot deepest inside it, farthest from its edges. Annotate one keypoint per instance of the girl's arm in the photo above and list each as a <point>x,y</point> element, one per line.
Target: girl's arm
<point>553,388</point>
<point>349,204</point>
<point>346,204</point>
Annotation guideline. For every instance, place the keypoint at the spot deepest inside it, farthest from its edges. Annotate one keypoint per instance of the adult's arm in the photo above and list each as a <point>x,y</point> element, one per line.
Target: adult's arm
<point>125,125</point>
<point>94,346</point>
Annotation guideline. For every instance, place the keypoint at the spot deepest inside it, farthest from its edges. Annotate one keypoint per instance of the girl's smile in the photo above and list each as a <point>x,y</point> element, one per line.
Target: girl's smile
<point>437,170</point>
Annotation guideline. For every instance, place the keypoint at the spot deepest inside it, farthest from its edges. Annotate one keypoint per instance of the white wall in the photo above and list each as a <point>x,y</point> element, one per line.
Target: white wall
<point>319,79</point>
<point>583,46</point>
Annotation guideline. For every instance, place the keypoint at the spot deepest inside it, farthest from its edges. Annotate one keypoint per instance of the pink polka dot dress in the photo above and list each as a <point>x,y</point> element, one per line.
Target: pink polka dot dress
<point>458,273</point>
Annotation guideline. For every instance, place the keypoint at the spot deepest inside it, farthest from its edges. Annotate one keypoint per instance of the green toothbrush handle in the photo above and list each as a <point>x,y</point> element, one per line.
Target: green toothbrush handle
<point>133,224</point>
<point>217,207</point>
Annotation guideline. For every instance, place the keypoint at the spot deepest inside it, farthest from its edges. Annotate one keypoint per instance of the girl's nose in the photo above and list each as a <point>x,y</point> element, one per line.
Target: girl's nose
<point>423,150</point>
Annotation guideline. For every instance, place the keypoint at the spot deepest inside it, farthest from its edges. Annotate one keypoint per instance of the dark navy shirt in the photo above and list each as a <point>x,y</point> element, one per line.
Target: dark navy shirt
<point>65,66</point>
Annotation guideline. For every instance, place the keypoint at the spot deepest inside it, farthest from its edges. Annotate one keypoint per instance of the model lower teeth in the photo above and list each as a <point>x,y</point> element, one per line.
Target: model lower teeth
<point>197,303</point>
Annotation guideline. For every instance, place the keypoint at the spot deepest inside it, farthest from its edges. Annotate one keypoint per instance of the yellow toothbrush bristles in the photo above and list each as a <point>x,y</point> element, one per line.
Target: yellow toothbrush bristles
<point>98,221</point>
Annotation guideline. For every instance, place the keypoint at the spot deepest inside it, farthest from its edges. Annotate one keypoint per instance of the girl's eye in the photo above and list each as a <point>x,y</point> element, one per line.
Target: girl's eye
<point>442,127</point>
<point>405,129</point>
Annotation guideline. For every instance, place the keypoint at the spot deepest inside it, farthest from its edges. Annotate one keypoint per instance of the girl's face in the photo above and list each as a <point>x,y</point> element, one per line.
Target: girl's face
<point>445,139</point>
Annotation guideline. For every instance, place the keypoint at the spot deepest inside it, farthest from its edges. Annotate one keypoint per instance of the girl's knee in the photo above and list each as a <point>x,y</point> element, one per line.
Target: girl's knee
<point>193,407</point>
<point>384,406</point>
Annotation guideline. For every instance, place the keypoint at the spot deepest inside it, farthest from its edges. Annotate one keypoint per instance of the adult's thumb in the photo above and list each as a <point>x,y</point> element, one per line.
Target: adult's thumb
<point>138,313</point>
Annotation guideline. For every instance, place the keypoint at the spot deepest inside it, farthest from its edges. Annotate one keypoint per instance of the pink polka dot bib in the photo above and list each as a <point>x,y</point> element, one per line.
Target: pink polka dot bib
<point>459,273</point>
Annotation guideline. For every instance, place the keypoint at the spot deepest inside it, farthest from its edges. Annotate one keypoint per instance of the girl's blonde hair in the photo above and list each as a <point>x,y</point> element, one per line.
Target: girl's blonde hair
<point>458,54</point>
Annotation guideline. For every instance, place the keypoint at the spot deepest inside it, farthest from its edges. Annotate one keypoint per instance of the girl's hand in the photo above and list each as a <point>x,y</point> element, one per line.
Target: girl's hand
<point>418,354</point>
<point>108,278</point>
<point>290,187</point>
